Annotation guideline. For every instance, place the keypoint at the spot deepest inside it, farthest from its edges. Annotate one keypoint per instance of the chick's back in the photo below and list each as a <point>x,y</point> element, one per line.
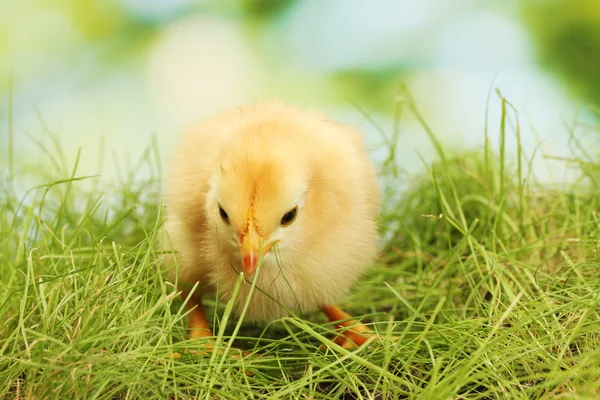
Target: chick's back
<point>335,242</point>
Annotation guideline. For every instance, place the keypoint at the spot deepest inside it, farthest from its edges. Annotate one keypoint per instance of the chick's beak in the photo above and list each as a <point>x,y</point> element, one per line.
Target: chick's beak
<point>252,244</point>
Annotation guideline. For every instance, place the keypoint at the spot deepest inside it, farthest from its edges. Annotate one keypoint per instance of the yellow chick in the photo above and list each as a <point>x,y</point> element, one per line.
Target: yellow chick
<point>285,186</point>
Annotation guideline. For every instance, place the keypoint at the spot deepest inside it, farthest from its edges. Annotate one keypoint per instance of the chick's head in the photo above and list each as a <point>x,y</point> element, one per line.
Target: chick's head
<point>257,198</point>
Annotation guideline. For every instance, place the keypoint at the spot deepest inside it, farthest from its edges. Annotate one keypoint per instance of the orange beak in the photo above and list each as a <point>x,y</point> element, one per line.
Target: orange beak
<point>252,245</point>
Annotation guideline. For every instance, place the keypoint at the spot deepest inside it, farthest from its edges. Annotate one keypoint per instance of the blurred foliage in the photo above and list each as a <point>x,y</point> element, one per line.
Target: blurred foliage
<point>262,9</point>
<point>375,88</point>
<point>567,38</point>
<point>107,24</point>
<point>95,20</point>
<point>566,34</point>
<point>4,45</point>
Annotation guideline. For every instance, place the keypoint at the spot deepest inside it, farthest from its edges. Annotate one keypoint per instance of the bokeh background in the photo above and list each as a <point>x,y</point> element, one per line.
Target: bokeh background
<point>107,75</point>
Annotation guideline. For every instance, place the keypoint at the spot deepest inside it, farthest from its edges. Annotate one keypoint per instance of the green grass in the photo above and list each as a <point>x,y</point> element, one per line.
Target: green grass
<point>489,279</point>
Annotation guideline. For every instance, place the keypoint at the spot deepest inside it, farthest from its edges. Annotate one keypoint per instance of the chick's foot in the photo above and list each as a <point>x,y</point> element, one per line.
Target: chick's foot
<point>200,329</point>
<point>351,333</point>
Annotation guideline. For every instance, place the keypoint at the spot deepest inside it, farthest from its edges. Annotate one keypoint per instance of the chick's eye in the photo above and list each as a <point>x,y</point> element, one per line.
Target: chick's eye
<point>289,217</point>
<point>223,215</point>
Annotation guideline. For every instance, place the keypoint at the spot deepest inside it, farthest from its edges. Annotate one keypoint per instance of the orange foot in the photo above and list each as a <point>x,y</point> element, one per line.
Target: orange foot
<point>351,333</point>
<point>199,327</point>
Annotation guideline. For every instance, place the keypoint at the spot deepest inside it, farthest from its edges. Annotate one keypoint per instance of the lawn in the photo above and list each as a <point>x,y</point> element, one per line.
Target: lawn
<point>489,280</point>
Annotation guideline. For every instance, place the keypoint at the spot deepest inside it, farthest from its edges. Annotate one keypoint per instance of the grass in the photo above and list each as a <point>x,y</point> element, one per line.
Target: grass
<point>489,279</point>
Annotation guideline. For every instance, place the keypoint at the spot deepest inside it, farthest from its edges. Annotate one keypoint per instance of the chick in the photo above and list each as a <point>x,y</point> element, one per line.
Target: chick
<point>285,187</point>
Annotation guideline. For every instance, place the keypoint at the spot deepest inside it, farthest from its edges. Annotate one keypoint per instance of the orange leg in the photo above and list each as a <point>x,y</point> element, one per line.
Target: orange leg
<point>351,332</point>
<point>199,327</point>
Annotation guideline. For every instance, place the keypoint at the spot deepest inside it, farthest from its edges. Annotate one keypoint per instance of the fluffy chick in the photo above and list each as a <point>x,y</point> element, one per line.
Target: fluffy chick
<point>274,183</point>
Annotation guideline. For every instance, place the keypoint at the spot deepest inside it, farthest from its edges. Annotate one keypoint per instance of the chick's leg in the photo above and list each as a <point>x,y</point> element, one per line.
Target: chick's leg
<point>199,327</point>
<point>351,333</point>
<point>198,323</point>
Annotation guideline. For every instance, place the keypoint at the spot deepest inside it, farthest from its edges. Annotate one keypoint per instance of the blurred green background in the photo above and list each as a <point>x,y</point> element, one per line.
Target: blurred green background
<point>111,73</point>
